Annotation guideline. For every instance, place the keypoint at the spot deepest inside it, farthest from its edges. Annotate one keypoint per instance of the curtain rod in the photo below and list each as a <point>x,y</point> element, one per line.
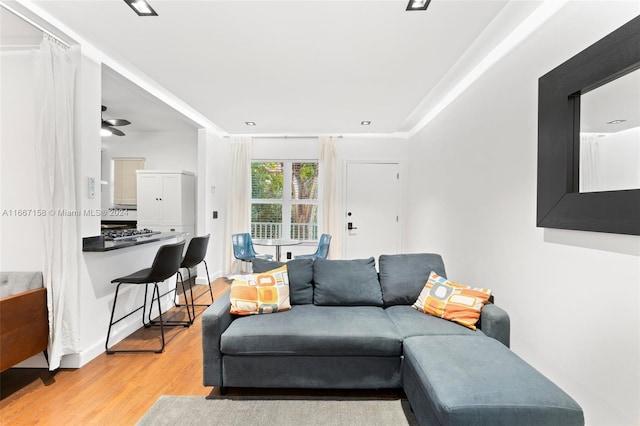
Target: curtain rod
<point>52,37</point>
<point>18,46</point>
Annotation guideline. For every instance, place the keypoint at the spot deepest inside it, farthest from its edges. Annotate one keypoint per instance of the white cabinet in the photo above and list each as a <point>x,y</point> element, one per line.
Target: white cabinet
<point>166,200</point>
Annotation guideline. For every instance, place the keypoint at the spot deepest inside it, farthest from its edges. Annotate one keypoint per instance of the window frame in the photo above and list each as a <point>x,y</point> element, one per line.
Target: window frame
<point>287,201</point>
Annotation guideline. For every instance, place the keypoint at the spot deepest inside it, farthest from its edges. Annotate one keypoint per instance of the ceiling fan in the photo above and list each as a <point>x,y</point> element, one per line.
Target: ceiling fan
<point>107,127</point>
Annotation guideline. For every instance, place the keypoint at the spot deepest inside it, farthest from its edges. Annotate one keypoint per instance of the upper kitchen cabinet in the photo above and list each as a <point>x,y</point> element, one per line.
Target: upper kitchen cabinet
<point>166,200</point>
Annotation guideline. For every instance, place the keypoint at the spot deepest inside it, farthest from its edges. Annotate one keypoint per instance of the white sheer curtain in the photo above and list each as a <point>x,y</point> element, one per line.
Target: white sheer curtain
<point>54,70</point>
<point>239,195</point>
<point>330,212</point>
<point>589,163</point>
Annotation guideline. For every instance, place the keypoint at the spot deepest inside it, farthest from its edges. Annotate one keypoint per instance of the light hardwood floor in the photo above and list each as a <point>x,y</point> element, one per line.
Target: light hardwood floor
<point>111,389</point>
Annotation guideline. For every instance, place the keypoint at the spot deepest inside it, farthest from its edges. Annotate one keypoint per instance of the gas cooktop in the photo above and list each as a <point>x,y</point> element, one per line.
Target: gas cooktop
<point>127,234</point>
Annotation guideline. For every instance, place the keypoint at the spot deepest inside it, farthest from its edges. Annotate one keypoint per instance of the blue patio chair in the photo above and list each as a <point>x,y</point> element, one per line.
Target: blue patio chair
<point>322,250</point>
<point>243,248</point>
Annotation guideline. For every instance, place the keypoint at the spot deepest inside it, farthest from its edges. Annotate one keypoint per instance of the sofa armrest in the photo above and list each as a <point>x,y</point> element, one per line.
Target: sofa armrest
<point>215,320</point>
<point>494,322</point>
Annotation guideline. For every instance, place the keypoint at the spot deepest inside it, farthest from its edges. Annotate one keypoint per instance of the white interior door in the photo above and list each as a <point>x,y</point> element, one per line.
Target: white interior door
<point>372,210</point>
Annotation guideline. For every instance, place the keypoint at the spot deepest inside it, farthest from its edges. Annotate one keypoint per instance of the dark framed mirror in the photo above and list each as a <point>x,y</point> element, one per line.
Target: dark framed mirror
<point>560,203</point>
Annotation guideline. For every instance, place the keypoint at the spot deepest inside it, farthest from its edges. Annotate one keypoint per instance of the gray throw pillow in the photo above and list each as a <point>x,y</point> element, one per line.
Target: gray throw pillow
<point>300,272</point>
<point>403,276</point>
<point>346,282</point>
<point>263,265</point>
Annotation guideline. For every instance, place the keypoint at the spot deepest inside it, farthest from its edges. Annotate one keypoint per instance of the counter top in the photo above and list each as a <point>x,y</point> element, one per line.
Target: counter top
<point>99,244</point>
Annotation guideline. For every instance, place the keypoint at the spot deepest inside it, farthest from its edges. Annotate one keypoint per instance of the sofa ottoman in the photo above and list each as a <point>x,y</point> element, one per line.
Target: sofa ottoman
<point>475,380</point>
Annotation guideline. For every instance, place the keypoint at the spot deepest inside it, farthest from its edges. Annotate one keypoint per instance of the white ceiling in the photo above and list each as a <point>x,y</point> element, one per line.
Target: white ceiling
<point>293,67</point>
<point>122,98</point>
<point>616,100</point>
<point>15,33</point>
<point>146,113</point>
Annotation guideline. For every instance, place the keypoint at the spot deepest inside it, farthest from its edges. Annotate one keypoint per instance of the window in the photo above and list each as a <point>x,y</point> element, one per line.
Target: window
<point>124,180</point>
<point>284,200</point>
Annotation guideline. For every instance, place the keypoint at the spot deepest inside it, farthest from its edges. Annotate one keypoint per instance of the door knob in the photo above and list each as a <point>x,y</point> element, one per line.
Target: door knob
<point>350,226</point>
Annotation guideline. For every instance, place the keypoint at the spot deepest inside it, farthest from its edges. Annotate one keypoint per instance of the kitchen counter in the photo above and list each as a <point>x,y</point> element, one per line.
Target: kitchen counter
<point>105,261</point>
<point>99,244</point>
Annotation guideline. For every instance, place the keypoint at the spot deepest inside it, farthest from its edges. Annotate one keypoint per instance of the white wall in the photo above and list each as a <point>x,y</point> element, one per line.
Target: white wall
<point>621,160</point>
<point>161,151</point>
<point>573,297</point>
<point>20,249</point>
<point>213,159</point>
<point>87,156</point>
<point>21,235</point>
<point>611,162</point>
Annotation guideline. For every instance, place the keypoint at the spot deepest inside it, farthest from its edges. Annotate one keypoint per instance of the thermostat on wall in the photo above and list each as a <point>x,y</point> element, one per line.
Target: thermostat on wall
<point>91,187</point>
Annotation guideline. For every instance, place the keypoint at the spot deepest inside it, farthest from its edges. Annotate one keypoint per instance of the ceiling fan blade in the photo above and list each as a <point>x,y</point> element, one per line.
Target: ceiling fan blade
<point>117,122</point>
<point>114,130</point>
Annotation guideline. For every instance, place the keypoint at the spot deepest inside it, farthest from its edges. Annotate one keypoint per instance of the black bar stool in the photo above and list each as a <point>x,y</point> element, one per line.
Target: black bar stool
<point>196,251</point>
<point>165,265</point>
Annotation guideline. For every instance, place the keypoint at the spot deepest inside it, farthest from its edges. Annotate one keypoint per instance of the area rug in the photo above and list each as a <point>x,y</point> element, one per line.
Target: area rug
<point>196,410</point>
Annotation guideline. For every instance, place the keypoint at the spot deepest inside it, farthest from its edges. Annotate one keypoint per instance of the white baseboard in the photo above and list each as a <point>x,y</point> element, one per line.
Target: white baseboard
<point>118,333</point>
<point>214,276</point>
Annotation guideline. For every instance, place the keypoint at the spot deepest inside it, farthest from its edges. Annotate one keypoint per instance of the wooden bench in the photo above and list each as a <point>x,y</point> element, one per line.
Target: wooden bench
<point>24,324</point>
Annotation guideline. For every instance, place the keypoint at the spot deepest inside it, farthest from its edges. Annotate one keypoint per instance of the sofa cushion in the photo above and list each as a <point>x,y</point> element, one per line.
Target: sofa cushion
<point>458,381</point>
<point>402,276</point>
<point>410,322</point>
<point>262,293</point>
<point>452,301</point>
<point>346,282</point>
<point>314,330</point>
<point>300,277</point>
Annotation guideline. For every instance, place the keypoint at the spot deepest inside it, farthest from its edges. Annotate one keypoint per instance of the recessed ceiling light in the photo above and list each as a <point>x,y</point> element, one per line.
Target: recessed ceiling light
<point>141,7</point>
<point>418,4</point>
<point>250,123</point>
<point>365,123</point>
<point>616,121</point>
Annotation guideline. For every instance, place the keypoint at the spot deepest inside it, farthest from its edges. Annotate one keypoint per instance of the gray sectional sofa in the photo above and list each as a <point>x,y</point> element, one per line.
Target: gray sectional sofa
<point>350,327</point>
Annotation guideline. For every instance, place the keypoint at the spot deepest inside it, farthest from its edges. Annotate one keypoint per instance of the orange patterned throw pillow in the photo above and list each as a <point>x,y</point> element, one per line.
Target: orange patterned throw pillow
<point>452,301</point>
<point>263,293</point>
